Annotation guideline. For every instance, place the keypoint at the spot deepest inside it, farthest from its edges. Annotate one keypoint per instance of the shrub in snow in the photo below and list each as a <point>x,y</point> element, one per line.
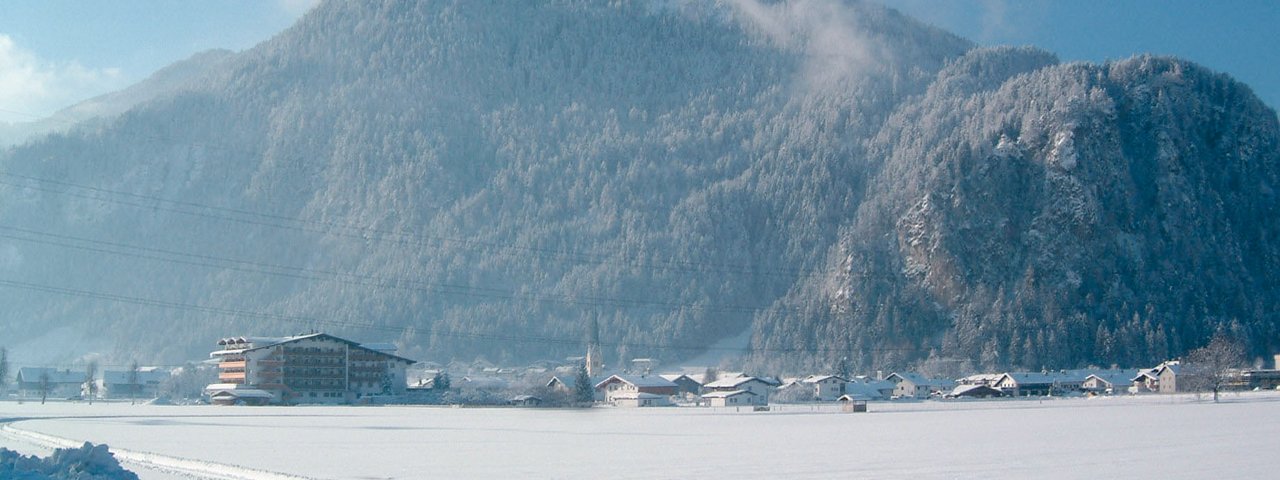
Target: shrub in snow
<point>89,462</point>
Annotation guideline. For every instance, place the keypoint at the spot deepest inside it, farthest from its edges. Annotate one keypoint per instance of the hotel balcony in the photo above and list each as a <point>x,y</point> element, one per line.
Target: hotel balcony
<point>231,377</point>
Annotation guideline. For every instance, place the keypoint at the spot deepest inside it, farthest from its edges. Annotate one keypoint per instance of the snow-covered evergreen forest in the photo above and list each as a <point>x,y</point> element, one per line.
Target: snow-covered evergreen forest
<point>486,178</point>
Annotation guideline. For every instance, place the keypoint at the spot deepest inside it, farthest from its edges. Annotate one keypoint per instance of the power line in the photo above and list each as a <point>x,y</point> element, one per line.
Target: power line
<point>387,236</point>
<point>373,281</point>
<point>314,321</point>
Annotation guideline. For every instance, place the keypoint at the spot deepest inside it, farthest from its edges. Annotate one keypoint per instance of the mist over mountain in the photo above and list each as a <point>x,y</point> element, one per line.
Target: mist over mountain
<point>474,179</point>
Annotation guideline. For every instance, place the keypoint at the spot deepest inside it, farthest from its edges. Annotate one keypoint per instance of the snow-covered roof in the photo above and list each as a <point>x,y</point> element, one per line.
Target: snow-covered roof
<point>1046,378</point>
<point>733,382</point>
<point>257,343</point>
<point>639,381</point>
<point>116,377</point>
<point>820,378</point>
<point>1173,365</point>
<point>920,380</point>
<point>384,347</point>
<point>636,396</point>
<point>867,390</point>
<point>32,374</point>
<point>244,393</point>
<point>674,377</point>
<point>726,394</point>
<point>963,389</point>
<point>569,381</point>
<point>1114,377</point>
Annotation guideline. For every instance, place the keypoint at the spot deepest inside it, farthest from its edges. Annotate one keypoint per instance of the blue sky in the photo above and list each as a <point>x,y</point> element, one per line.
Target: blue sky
<point>54,53</point>
<point>1238,37</point>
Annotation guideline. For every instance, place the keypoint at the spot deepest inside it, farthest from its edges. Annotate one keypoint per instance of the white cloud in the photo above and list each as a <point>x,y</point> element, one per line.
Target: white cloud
<point>31,88</point>
<point>826,32</point>
<point>297,7</point>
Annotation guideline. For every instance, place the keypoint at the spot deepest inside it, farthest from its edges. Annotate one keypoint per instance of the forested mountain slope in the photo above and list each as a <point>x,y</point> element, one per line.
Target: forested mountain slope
<point>479,179</point>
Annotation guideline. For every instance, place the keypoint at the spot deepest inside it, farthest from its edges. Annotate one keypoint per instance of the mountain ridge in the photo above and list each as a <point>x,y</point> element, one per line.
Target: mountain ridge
<point>483,183</point>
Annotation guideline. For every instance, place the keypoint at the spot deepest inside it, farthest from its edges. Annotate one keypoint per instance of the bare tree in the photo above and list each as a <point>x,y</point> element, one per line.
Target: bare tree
<point>4,369</point>
<point>91,380</point>
<point>44,385</point>
<point>1213,366</point>
<point>134,384</point>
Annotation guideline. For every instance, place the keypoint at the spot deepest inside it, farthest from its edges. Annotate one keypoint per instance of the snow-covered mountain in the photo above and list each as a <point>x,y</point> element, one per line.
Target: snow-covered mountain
<point>483,179</point>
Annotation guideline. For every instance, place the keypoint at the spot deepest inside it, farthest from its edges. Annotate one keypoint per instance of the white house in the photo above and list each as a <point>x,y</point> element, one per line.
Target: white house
<point>640,399</point>
<point>1145,381</point>
<point>1167,375</point>
<point>759,387</point>
<point>56,383</point>
<point>1041,383</point>
<point>1109,382</point>
<point>826,388</point>
<point>730,399</point>
<point>914,385</point>
<point>118,384</point>
<point>623,386</point>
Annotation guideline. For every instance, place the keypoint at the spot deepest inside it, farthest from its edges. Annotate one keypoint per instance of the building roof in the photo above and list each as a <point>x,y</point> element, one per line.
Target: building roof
<point>636,396</point>
<point>259,343</point>
<point>733,382</point>
<point>32,374</point>
<point>920,380</point>
<point>115,377</point>
<point>639,381</point>
<point>819,378</point>
<point>867,389</point>
<point>727,394</point>
<point>569,381</point>
<point>1048,378</point>
<point>675,377</point>
<point>1173,366</point>
<point>244,393</point>
<point>1114,377</point>
<point>964,390</point>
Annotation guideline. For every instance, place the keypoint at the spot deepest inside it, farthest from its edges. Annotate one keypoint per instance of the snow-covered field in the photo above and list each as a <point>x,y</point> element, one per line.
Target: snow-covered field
<point>1136,437</point>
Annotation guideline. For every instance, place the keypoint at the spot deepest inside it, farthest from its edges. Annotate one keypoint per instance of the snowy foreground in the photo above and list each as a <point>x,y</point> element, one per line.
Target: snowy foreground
<point>1136,437</point>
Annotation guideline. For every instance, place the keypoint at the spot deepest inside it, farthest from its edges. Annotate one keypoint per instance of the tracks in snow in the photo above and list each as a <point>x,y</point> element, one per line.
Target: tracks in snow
<point>181,466</point>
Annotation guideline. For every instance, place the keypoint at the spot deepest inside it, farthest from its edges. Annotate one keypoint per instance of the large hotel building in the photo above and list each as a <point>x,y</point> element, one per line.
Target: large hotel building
<point>315,368</point>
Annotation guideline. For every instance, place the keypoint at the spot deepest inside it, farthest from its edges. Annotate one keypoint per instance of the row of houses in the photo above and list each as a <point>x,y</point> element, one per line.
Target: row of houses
<point>36,382</point>
<point>744,390</point>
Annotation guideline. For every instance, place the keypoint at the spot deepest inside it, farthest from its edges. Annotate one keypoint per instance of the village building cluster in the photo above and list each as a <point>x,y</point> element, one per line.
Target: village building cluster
<point>319,368</point>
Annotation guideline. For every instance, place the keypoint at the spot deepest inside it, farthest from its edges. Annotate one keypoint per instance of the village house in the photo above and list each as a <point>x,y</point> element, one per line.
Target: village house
<point>623,386</point>
<point>1145,381</point>
<point>641,399</point>
<point>685,385</point>
<point>732,398</point>
<point>1109,382</point>
<point>914,385</point>
<point>314,368</point>
<point>1034,384</point>
<point>563,383</point>
<point>118,384</point>
<point>60,383</point>
<point>974,391</point>
<point>759,387</point>
<point>826,388</point>
<point>987,379</point>
<point>1167,376</point>
<point>1265,379</point>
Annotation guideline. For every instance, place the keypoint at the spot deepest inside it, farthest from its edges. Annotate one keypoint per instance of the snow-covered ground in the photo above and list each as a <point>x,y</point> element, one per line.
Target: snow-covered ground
<point>1152,436</point>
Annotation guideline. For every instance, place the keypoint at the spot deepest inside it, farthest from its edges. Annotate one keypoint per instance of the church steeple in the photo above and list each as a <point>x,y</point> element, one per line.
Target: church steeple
<point>595,364</point>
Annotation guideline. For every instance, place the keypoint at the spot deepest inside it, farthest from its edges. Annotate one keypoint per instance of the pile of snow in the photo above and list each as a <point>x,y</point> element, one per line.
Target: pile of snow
<point>89,462</point>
